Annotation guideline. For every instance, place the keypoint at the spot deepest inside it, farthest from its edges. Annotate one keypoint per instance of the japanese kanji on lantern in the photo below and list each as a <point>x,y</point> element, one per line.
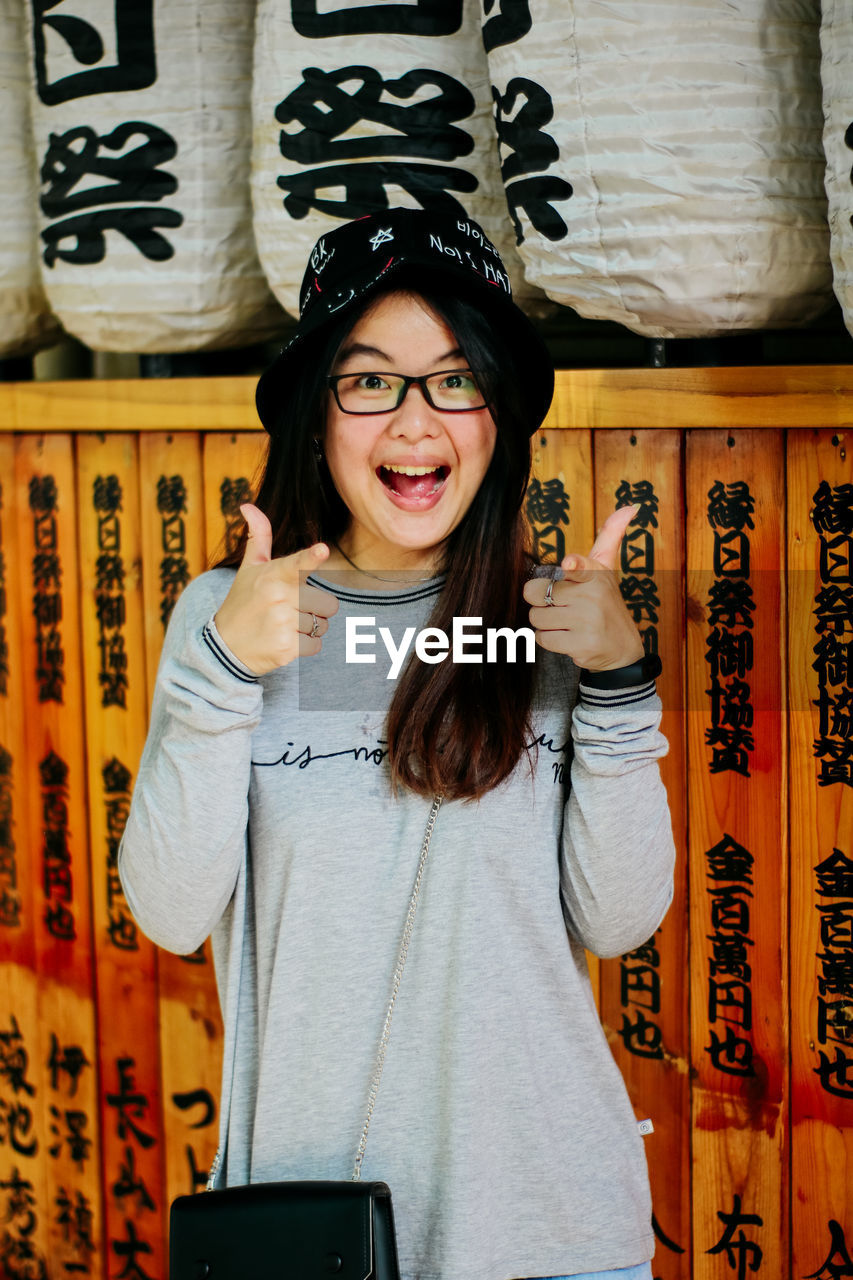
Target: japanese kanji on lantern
<point>663,163</point>
<point>25,320</point>
<point>359,108</point>
<point>836,38</point>
<point>140,135</point>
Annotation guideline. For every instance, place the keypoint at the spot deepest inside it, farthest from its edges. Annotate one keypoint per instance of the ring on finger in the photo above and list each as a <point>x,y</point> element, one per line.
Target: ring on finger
<point>549,593</point>
<point>315,626</point>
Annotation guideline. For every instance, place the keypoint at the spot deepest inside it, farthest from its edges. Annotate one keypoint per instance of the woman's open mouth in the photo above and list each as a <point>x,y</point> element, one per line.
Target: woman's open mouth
<point>413,483</point>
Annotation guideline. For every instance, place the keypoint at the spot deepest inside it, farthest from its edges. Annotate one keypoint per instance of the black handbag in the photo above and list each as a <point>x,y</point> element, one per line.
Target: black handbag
<point>298,1230</point>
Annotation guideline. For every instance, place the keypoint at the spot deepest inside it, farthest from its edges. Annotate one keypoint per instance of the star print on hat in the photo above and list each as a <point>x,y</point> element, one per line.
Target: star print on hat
<point>383,235</point>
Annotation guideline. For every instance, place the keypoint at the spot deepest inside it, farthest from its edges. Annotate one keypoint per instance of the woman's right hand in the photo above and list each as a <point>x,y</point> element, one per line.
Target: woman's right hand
<point>267,617</point>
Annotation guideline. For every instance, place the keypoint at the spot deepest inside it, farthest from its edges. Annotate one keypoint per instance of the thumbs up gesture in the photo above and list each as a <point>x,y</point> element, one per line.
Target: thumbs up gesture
<point>268,617</point>
<point>587,617</point>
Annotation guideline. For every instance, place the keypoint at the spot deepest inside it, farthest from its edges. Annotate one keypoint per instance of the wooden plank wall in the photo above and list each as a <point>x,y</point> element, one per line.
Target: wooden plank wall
<point>733,1025</point>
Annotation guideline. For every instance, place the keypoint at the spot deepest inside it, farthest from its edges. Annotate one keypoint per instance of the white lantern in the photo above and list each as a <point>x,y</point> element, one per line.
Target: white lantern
<point>142,131</point>
<point>836,38</point>
<point>25,320</point>
<point>663,160</point>
<point>361,107</point>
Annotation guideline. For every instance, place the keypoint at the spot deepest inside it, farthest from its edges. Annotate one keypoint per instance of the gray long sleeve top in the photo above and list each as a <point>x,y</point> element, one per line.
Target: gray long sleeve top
<point>502,1124</point>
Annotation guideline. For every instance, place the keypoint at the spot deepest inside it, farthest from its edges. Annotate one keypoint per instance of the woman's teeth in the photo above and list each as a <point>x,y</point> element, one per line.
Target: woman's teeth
<point>413,481</point>
<point>411,471</point>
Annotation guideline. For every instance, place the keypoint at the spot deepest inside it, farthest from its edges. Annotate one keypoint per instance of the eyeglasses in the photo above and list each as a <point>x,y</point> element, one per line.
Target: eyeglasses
<point>449,390</point>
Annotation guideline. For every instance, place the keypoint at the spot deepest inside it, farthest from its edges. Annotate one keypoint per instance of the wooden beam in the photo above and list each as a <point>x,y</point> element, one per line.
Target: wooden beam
<point>819,396</point>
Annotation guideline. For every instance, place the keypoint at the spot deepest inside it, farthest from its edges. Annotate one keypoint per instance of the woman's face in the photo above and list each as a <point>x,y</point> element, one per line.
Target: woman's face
<point>399,519</point>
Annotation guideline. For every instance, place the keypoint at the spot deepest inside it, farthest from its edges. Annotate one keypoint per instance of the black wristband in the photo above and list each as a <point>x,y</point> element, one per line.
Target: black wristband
<point>644,669</point>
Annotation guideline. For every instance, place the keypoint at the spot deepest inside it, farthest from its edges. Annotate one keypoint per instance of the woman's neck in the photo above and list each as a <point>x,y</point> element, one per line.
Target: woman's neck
<point>383,568</point>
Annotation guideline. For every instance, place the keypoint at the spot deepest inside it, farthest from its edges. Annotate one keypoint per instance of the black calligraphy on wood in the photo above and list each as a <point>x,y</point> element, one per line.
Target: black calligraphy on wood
<point>741,1253</point>
<point>729,651</point>
<point>110,609</point>
<point>639,997</point>
<point>729,873</point>
<point>548,509</point>
<point>637,559</point>
<point>834,877</point>
<point>663,1238</point>
<point>838,1264</point>
<point>57,880</point>
<point>174,566</point>
<point>16,1113</point>
<point>233,492</point>
<point>66,1061</point>
<point>68,1127</point>
<point>19,1258</point>
<point>201,1104</point>
<point>131,1107</point>
<point>128,1250</point>
<point>74,1218</point>
<point>69,1130</point>
<point>118,784</point>
<point>10,897</point>
<point>47,597</point>
<point>832,517</point>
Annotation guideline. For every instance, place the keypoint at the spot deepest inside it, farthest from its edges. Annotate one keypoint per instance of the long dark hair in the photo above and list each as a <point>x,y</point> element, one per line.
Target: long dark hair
<point>457,730</point>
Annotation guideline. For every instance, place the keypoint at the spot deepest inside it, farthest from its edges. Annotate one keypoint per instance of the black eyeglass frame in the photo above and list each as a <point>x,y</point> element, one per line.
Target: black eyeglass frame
<point>407,381</point>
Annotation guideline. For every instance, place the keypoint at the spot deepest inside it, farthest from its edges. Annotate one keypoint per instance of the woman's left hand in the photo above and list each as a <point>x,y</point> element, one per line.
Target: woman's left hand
<point>588,619</point>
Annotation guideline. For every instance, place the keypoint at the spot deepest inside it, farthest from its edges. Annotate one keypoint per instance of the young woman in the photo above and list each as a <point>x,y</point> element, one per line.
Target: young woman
<point>287,780</point>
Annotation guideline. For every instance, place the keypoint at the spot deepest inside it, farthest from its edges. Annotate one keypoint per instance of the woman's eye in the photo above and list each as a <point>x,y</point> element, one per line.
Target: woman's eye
<point>372,382</point>
<point>458,381</point>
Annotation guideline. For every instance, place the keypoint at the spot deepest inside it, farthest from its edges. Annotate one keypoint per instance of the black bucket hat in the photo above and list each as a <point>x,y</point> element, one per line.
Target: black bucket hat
<point>358,258</point>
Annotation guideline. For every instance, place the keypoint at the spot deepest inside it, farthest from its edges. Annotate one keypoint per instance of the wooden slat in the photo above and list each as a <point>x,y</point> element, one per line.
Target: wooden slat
<point>172,508</point>
<point>58,851</point>
<point>820,522</point>
<point>231,469</point>
<point>23,1080</point>
<point>737,834</point>
<point>115,699</point>
<point>644,994</point>
<point>773,396</point>
<point>171,503</point>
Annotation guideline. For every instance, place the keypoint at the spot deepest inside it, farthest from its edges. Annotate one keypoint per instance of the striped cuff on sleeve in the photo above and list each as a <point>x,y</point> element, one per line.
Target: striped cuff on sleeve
<point>215,644</point>
<point>617,697</point>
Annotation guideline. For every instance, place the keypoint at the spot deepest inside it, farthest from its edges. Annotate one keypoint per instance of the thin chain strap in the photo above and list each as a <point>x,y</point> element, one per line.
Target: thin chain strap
<point>395,986</point>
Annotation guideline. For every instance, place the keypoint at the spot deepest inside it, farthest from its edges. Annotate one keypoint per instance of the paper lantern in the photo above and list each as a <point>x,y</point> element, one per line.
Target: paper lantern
<point>25,320</point>
<point>142,136</point>
<point>663,160</point>
<point>836,38</point>
<point>365,107</point>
